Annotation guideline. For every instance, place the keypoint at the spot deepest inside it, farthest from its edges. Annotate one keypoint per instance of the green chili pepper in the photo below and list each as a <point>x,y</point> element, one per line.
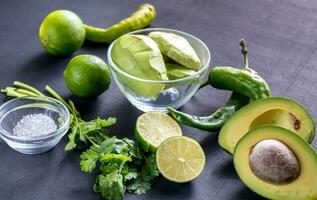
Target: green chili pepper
<point>141,18</point>
<point>244,83</point>
<point>215,121</point>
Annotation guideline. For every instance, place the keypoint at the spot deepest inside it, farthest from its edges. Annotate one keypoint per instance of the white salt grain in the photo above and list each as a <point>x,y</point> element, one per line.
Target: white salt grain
<point>34,125</point>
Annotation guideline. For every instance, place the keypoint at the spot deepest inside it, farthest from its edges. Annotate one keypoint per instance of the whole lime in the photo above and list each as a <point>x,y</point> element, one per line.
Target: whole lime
<point>61,33</point>
<point>87,76</point>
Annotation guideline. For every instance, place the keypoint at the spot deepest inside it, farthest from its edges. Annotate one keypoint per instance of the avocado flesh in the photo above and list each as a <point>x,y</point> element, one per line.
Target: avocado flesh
<point>175,71</point>
<point>177,48</point>
<point>279,111</point>
<point>279,117</point>
<point>304,187</point>
<point>139,56</point>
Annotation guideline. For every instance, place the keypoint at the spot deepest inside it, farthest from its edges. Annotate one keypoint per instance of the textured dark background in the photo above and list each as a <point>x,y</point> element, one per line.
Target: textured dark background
<point>282,40</point>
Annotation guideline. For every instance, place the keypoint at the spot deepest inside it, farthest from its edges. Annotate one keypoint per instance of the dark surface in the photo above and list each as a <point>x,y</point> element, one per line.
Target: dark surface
<point>282,40</point>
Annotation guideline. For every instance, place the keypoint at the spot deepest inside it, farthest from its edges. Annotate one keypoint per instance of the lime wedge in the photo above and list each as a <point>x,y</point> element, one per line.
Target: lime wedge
<point>152,128</point>
<point>180,159</point>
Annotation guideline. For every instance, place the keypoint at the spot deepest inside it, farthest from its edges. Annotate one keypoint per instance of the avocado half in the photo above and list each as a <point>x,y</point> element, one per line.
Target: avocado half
<point>302,187</point>
<point>279,111</point>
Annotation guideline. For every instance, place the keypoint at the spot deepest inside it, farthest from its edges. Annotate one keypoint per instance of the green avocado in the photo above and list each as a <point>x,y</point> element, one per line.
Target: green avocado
<point>139,56</point>
<point>277,164</point>
<point>175,71</point>
<point>177,48</point>
<point>280,111</point>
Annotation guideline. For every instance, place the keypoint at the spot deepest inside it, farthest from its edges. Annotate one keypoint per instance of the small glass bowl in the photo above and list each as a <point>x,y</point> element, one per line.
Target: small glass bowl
<point>170,93</point>
<point>12,112</point>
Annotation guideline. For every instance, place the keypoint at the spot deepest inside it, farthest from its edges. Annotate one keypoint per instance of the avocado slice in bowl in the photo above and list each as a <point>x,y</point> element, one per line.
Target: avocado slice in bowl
<point>139,56</point>
<point>175,71</point>
<point>177,48</point>
<point>280,111</point>
<point>277,164</point>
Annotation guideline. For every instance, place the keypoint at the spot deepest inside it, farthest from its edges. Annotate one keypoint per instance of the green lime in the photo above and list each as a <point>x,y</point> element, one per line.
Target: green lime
<point>61,33</point>
<point>87,76</point>
<point>152,128</point>
<point>180,159</point>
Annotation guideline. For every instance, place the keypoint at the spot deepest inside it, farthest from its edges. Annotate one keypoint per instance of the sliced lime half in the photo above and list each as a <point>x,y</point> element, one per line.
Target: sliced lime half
<point>152,128</point>
<point>180,159</point>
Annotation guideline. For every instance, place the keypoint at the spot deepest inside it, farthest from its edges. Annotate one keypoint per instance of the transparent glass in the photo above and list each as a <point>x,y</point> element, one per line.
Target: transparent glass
<point>170,93</point>
<point>12,112</point>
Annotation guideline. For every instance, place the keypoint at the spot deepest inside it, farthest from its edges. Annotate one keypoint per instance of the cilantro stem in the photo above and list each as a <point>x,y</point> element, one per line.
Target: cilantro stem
<point>26,92</point>
<point>12,92</point>
<point>55,95</point>
<point>89,139</point>
<point>30,88</point>
<point>121,165</point>
<point>17,92</point>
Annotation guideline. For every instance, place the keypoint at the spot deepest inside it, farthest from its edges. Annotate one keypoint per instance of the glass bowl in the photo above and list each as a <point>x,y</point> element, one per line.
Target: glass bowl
<point>169,93</point>
<point>13,112</point>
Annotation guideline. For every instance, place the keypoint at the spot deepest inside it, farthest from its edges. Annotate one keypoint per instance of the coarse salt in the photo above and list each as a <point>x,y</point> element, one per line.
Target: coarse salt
<point>34,125</point>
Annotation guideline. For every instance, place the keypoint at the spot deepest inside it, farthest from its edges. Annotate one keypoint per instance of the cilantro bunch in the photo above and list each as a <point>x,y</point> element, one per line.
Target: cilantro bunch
<point>121,165</point>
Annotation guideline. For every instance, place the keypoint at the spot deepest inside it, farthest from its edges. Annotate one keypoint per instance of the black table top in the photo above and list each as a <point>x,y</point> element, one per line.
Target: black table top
<point>282,41</point>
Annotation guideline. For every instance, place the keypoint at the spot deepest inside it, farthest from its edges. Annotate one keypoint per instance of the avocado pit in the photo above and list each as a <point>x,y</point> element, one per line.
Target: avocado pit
<point>274,162</point>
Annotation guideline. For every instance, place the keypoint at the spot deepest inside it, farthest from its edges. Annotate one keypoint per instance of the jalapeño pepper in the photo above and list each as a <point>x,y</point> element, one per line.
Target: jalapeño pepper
<point>214,121</point>
<point>141,18</point>
<point>245,84</point>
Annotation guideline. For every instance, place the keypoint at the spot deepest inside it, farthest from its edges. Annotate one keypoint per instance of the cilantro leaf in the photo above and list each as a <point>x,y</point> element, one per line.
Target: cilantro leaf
<point>96,124</point>
<point>138,186</point>
<point>150,170</point>
<point>71,139</point>
<point>110,186</point>
<point>88,161</point>
<point>108,145</point>
<point>83,133</point>
<point>110,157</point>
<point>129,173</point>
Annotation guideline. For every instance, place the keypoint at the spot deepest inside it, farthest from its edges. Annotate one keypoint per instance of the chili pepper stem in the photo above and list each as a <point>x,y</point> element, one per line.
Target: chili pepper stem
<point>244,51</point>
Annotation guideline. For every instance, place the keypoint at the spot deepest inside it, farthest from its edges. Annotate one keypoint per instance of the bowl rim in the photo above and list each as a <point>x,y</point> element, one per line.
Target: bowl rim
<point>60,130</point>
<point>187,78</point>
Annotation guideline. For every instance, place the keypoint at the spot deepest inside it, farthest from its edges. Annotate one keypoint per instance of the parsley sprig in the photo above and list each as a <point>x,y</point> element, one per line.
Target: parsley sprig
<point>123,167</point>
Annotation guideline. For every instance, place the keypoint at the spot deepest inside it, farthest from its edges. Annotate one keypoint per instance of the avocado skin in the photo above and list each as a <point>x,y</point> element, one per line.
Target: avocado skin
<point>298,189</point>
<point>229,134</point>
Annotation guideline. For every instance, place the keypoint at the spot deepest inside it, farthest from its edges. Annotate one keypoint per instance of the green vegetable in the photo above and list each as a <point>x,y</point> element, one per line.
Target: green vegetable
<point>141,18</point>
<point>278,111</point>
<point>176,71</point>
<point>177,48</point>
<point>214,121</point>
<point>123,167</point>
<point>244,83</point>
<point>139,55</point>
